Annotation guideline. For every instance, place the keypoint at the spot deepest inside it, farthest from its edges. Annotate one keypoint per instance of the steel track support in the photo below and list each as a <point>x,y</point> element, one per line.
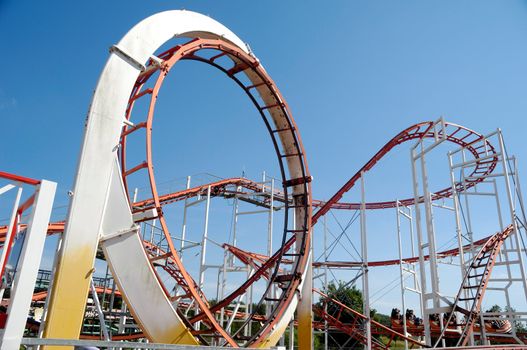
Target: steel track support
<point>326,330</point>
<point>401,274</point>
<point>459,233</point>
<point>420,244</point>
<point>203,255</point>
<point>364,258</point>
<point>184,224</point>
<point>27,267</point>
<point>512,211</point>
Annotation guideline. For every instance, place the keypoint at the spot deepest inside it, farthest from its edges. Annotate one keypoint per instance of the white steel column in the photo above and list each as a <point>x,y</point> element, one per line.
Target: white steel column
<point>434,276</point>
<point>459,234</point>
<point>364,253</point>
<point>184,225</point>
<point>512,211</point>
<point>27,268</point>
<point>401,273</point>
<point>235,215</point>
<point>10,232</point>
<point>100,313</point>
<point>50,286</point>
<point>326,335</point>
<point>426,321</point>
<point>292,335</point>
<point>270,222</point>
<point>202,266</point>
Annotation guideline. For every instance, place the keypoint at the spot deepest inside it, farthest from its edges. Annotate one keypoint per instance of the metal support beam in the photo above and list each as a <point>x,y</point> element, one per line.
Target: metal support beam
<point>27,267</point>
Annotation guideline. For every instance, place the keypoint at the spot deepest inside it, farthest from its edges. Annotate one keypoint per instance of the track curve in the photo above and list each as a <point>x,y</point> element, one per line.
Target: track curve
<point>290,154</point>
<point>474,142</point>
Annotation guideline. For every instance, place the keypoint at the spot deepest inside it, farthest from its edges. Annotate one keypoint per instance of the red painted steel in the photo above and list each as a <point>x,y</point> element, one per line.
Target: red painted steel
<point>262,84</point>
<point>18,178</point>
<point>332,312</point>
<point>475,283</point>
<point>19,212</point>
<point>244,256</point>
<point>456,134</point>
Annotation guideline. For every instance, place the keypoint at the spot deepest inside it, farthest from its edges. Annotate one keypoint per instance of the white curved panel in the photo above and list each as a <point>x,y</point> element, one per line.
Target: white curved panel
<point>98,187</point>
<point>86,219</point>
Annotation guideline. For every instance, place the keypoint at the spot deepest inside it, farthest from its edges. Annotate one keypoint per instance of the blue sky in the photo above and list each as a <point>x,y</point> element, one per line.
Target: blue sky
<point>355,73</point>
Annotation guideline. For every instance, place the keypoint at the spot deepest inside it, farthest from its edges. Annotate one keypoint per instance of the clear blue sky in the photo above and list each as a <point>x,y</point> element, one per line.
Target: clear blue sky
<point>355,73</point>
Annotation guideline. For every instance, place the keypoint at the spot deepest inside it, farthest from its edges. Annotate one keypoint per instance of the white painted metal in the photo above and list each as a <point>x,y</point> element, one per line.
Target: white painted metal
<point>401,272</point>
<point>28,264</point>
<point>10,231</point>
<point>204,240</point>
<point>326,333</point>
<point>424,199</point>
<point>512,210</point>
<point>53,269</point>
<point>420,245</point>
<point>184,224</point>
<point>89,212</point>
<point>364,253</point>
<point>100,313</point>
<point>504,280</point>
<point>99,206</point>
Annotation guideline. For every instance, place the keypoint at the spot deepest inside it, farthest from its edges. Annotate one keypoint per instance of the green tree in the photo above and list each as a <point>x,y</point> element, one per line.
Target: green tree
<point>350,296</point>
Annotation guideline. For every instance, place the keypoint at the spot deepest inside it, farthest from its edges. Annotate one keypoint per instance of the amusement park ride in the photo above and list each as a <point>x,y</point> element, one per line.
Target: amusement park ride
<point>150,298</point>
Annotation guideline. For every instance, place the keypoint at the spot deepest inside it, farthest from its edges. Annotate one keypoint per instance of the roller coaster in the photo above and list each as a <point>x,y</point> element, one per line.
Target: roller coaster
<point>149,294</point>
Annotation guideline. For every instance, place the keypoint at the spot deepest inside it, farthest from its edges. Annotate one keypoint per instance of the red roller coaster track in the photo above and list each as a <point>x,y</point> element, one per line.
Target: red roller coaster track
<point>289,151</point>
<point>475,143</point>
<point>480,148</point>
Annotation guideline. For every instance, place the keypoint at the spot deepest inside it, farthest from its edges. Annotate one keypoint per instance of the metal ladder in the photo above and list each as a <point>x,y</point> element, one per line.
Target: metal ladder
<point>474,285</point>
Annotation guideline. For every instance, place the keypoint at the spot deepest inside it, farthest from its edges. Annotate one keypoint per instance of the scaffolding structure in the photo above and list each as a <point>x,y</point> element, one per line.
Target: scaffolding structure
<point>104,320</point>
<point>152,292</point>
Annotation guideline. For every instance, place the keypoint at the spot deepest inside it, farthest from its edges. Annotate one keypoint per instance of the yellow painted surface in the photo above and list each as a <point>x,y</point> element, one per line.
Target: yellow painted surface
<point>172,334</point>
<point>273,338</point>
<point>305,331</point>
<point>305,311</point>
<point>68,298</point>
<point>176,334</point>
<point>68,302</point>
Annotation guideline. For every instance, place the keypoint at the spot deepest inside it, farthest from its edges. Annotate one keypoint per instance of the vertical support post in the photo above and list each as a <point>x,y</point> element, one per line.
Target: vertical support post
<point>512,210</point>
<point>305,310</point>
<point>184,224</point>
<point>27,269</point>
<point>459,231</point>
<point>235,225</point>
<point>326,335</point>
<point>426,321</point>
<point>270,229</point>
<point>223,283</point>
<point>204,241</point>
<point>459,234</point>
<point>100,314</point>
<point>122,319</point>
<point>248,330</point>
<point>305,305</point>
<point>50,286</point>
<point>518,187</point>
<point>292,335</point>
<point>270,222</point>
<point>202,266</point>
<point>10,232</point>
<point>401,273</point>
<point>364,253</point>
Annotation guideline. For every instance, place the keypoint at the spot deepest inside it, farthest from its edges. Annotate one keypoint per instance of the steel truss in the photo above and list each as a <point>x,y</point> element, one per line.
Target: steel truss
<point>294,186</point>
<point>27,223</point>
<point>212,324</point>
